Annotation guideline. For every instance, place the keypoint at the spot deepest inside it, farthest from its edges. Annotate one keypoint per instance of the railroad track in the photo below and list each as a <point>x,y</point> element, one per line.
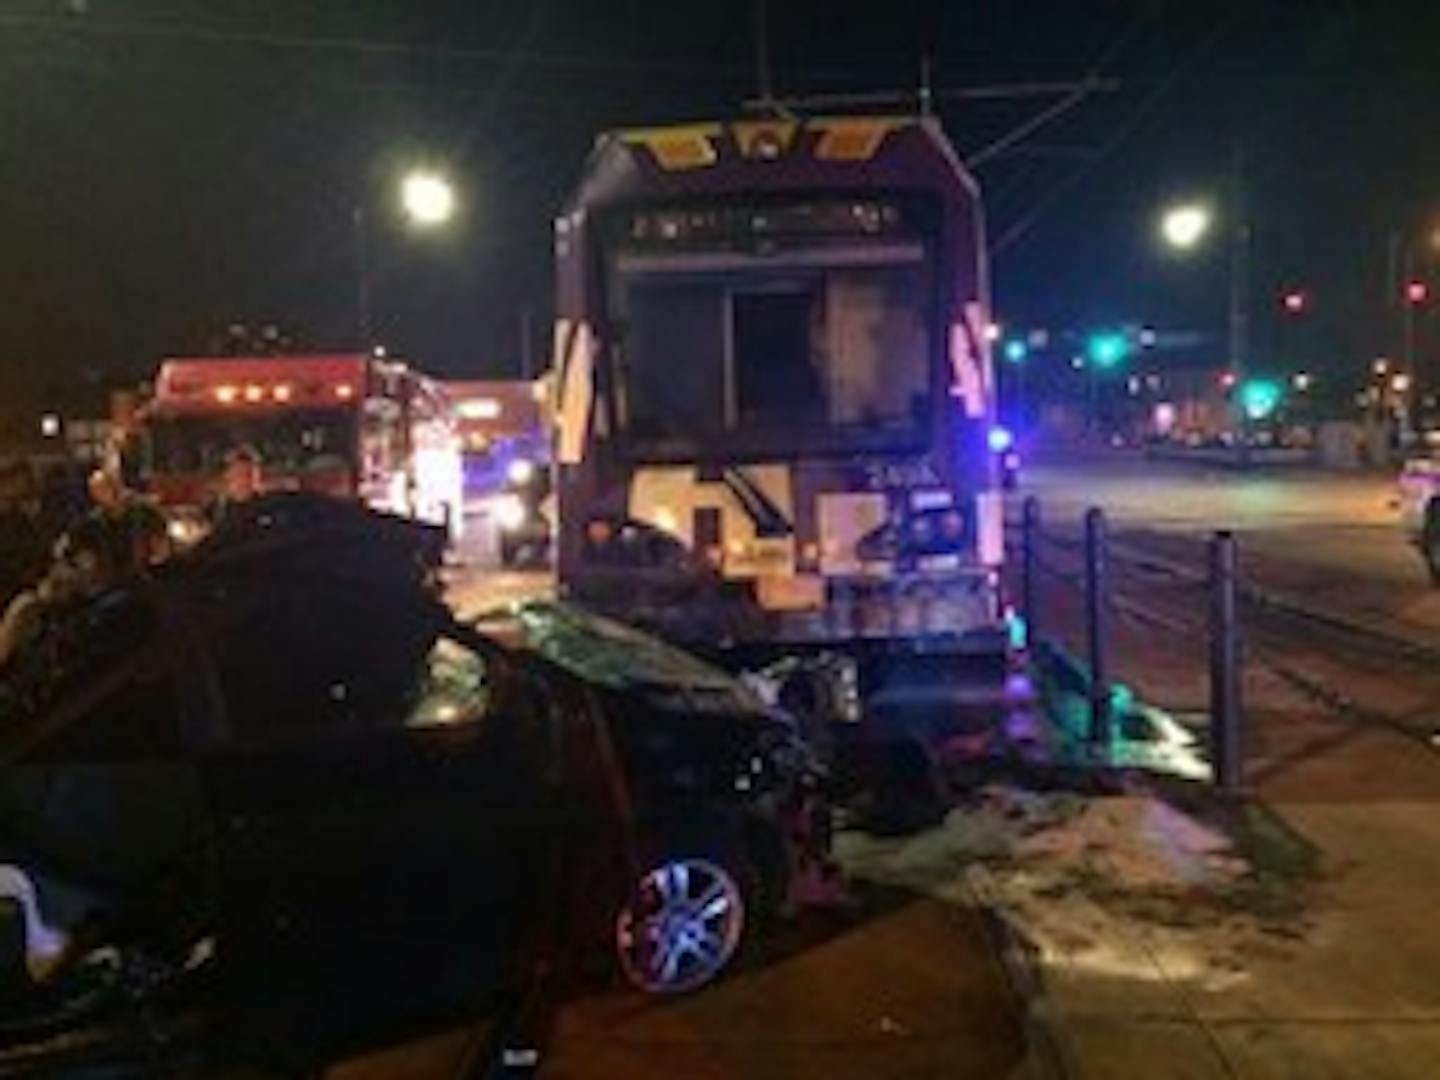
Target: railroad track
<point>1349,668</point>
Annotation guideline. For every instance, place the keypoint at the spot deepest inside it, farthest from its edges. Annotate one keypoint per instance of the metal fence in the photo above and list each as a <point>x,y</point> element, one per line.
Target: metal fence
<point>1098,558</point>
<point>1243,627</point>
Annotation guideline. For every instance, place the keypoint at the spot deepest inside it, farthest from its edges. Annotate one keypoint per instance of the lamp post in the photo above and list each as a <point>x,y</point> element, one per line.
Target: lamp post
<point>427,200</point>
<point>1183,229</point>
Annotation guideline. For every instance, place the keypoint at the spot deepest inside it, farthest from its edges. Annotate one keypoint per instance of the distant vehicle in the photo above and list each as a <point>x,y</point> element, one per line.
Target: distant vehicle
<point>349,426</point>
<point>1420,509</point>
<point>281,788</point>
<point>523,511</point>
<point>499,421</point>
<point>774,383</point>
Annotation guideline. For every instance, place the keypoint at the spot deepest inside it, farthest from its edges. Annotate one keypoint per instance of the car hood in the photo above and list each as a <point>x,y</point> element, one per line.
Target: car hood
<point>609,654</point>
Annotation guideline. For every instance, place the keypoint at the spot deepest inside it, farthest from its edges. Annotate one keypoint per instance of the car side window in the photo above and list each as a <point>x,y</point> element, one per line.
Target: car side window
<point>453,687</point>
<point>315,662</point>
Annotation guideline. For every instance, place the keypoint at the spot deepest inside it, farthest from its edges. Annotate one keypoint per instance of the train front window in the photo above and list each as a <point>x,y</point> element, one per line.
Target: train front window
<point>807,344</point>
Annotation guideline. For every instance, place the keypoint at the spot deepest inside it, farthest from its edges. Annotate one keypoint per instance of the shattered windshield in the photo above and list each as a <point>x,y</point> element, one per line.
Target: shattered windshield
<point>603,651</point>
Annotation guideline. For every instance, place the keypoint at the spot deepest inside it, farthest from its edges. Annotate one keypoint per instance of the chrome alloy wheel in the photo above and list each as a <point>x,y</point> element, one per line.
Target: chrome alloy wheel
<point>680,926</point>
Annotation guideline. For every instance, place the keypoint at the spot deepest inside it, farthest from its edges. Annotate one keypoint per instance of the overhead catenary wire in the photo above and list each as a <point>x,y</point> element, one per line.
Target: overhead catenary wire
<point>1142,112</point>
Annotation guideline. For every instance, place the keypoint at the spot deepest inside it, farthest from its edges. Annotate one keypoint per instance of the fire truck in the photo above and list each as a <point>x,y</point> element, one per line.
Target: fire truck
<point>349,426</point>
<point>775,402</point>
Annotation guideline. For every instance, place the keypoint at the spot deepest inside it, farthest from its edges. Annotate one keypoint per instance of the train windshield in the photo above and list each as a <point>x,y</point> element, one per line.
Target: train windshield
<point>794,341</point>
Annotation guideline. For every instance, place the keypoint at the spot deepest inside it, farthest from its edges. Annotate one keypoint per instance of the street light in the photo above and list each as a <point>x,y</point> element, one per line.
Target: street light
<point>427,198</point>
<point>1183,226</point>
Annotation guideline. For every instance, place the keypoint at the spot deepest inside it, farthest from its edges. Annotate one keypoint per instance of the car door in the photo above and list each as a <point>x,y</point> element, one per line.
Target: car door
<point>294,671</point>
<point>468,848</point>
<point>373,806</point>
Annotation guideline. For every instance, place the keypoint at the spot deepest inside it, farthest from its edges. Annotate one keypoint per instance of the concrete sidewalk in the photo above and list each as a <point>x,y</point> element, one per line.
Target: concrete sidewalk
<point>1353,993</point>
<point>907,987</point>
<point>1335,974</point>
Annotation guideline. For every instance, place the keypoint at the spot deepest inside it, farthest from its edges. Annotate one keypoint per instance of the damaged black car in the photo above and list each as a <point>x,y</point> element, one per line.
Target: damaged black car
<point>275,800</point>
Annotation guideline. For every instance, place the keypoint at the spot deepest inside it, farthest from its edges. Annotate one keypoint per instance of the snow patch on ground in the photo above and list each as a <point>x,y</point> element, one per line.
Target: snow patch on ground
<point>1126,886</point>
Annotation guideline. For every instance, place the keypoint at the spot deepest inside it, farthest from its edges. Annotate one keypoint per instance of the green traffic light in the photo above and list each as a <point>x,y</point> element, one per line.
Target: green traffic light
<point>1107,350</point>
<point>1259,398</point>
<point>1016,351</point>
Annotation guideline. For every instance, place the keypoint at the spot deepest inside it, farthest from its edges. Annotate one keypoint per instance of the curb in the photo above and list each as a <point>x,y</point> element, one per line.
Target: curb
<point>1050,1056</point>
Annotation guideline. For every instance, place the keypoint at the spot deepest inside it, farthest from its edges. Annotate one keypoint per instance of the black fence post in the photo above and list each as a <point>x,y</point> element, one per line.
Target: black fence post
<point>1225,698</point>
<point>1095,596</point>
<point>1029,539</point>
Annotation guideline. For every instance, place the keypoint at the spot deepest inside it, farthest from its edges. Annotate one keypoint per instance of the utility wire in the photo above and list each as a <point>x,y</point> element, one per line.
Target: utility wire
<point>187,32</point>
<point>1141,114</point>
<point>1082,90</point>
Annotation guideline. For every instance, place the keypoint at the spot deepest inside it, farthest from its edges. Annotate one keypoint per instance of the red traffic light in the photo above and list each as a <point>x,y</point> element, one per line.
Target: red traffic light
<point>1295,302</point>
<point>1416,292</point>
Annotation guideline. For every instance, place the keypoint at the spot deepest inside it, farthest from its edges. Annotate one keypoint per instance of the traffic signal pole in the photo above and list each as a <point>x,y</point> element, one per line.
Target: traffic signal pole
<point>1240,253</point>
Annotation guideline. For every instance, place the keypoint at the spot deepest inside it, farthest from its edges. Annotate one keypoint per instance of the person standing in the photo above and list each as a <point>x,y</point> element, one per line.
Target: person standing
<point>242,481</point>
<point>128,531</point>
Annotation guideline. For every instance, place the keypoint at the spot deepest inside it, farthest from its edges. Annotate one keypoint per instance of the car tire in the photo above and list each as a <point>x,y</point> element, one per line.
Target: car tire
<point>686,915</point>
<point>1430,542</point>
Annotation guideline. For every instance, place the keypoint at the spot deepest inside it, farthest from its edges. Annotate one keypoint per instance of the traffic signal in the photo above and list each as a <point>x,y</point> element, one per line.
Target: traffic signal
<point>1416,292</point>
<point>1259,398</point>
<point>1016,351</point>
<point>1295,302</point>
<point>1107,349</point>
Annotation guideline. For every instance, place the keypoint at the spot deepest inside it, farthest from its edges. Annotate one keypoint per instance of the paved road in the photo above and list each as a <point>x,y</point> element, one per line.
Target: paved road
<point>1330,520</point>
<point>1330,538</point>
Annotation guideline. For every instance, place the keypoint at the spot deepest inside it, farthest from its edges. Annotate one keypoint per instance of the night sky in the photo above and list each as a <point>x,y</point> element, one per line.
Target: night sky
<point>169,167</point>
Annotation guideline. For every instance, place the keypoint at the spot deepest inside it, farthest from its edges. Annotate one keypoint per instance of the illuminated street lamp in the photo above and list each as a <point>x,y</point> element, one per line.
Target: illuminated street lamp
<point>427,198</point>
<point>1183,226</point>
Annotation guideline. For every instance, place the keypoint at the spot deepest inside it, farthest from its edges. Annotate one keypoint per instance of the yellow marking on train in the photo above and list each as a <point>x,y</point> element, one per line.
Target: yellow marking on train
<point>677,149</point>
